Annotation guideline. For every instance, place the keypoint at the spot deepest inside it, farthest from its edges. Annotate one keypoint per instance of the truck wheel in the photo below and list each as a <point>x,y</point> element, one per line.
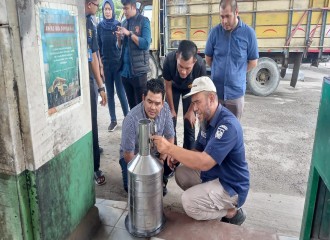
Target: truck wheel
<point>153,68</point>
<point>264,78</point>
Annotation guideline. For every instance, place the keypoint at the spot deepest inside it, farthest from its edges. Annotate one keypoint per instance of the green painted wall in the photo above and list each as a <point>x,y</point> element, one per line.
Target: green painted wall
<point>15,221</point>
<point>53,199</point>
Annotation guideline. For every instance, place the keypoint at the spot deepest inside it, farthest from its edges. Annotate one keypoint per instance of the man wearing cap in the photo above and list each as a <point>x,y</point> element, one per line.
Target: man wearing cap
<point>214,177</point>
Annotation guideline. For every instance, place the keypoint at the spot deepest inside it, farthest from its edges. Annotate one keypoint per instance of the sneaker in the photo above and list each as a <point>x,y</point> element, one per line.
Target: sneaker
<point>112,126</point>
<point>238,219</point>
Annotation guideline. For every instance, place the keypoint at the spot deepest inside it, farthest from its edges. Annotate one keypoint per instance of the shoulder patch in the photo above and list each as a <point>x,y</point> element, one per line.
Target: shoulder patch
<point>220,131</point>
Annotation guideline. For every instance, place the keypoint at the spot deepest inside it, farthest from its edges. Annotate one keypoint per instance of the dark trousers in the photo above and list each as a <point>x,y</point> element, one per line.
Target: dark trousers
<point>96,149</point>
<point>189,132</point>
<point>134,88</point>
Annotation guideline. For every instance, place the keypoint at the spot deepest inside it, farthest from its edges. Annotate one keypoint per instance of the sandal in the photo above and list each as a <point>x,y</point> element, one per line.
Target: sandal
<point>99,178</point>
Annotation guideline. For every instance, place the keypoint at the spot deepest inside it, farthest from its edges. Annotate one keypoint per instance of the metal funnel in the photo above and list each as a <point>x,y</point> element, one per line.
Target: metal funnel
<point>145,189</point>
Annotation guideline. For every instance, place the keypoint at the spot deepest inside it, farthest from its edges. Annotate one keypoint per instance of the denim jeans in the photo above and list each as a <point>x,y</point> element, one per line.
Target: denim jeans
<point>123,166</point>
<point>188,131</point>
<point>112,77</point>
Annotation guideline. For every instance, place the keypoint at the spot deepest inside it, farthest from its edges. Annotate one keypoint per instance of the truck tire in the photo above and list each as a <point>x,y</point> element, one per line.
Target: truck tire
<point>153,68</point>
<point>264,78</point>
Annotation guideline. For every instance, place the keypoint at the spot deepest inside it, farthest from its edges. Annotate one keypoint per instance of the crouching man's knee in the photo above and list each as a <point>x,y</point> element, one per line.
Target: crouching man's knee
<point>186,178</point>
<point>191,207</point>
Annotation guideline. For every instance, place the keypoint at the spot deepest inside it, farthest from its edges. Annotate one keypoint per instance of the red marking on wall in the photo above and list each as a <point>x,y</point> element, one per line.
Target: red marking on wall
<point>327,32</point>
<point>313,30</point>
<point>299,28</point>
<point>270,30</point>
<point>199,31</point>
<point>178,32</point>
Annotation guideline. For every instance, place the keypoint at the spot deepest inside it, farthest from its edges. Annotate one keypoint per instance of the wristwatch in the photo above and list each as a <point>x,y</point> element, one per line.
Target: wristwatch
<point>130,33</point>
<point>101,89</point>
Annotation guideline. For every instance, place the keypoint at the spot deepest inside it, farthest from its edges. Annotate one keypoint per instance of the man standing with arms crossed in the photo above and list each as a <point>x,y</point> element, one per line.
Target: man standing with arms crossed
<point>231,51</point>
<point>134,38</point>
<point>91,7</point>
<point>180,68</point>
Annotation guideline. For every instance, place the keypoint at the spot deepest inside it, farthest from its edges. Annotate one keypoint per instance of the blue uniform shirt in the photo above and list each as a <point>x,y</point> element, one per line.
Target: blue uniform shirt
<point>231,51</point>
<point>223,141</point>
<point>92,45</point>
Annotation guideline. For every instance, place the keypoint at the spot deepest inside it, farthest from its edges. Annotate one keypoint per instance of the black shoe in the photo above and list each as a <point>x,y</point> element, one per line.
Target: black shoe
<point>238,219</point>
<point>112,126</point>
<point>164,191</point>
<point>100,150</point>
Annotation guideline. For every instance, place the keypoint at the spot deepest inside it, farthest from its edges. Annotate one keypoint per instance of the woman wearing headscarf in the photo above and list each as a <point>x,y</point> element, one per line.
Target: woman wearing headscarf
<point>106,32</point>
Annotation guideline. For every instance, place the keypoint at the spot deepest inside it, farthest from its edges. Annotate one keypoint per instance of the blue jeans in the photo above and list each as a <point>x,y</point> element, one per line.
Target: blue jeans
<point>123,165</point>
<point>112,77</point>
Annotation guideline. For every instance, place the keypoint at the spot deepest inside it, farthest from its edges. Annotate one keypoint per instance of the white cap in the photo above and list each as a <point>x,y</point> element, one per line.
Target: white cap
<point>201,84</point>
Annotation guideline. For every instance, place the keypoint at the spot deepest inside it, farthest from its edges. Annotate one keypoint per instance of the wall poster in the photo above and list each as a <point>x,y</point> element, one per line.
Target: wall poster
<point>59,37</point>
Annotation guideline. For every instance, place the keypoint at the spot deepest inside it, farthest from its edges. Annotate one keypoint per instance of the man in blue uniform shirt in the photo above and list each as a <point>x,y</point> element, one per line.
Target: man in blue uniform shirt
<point>91,7</point>
<point>231,51</point>
<point>214,177</point>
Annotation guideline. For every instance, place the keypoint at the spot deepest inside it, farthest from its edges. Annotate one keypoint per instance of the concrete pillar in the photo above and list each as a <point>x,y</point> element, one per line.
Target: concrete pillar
<point>46,166</point>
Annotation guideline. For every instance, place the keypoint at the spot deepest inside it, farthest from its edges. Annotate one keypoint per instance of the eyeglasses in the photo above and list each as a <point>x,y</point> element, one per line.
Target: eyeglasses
<point>97,5</point>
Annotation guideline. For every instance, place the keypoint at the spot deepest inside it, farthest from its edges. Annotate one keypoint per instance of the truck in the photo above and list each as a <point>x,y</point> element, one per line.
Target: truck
<point>289,32</point>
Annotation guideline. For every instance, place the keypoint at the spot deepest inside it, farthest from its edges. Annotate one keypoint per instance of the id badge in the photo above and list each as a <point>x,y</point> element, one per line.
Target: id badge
<point>90,55</point>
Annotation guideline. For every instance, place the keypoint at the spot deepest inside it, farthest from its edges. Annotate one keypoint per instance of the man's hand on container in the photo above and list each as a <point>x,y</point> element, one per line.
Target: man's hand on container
<point>161,144</point>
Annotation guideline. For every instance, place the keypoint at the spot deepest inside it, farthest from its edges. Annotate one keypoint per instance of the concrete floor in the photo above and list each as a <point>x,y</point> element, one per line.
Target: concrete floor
<point>178,226</point>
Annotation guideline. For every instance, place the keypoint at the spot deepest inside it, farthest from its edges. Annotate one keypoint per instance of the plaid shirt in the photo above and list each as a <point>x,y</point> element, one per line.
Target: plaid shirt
<point>130,128</point>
